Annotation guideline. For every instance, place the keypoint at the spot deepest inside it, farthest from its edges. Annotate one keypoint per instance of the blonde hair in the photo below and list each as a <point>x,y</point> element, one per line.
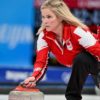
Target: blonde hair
<point>61,10</point>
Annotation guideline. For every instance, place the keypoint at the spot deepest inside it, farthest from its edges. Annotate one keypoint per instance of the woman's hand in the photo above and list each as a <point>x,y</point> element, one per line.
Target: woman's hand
<point>29,82</point>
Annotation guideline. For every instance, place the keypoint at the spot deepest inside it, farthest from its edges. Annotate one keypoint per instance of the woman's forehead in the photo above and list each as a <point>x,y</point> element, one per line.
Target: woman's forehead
<point>47,10</point>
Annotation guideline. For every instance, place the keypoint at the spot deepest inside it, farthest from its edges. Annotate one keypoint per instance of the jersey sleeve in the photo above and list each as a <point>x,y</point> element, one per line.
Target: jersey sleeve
<point>88,41</point>
<point>40,64</point>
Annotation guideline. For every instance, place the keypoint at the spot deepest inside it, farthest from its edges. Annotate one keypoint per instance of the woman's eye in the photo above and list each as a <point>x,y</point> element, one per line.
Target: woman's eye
<point>48,16</point>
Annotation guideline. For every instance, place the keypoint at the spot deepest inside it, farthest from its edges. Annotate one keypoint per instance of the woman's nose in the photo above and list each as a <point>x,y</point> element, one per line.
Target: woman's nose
<point>45,21</point>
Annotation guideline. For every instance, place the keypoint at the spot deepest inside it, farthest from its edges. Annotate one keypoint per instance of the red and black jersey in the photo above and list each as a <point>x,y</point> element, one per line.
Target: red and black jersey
<point>75,40</point>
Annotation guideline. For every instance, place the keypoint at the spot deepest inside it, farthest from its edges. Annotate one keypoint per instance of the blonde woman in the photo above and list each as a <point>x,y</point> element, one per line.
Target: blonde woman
<point>72,44</point>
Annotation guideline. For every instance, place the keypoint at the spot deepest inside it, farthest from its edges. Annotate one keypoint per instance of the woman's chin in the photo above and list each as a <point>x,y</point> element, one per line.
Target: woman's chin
<point>48,29</point>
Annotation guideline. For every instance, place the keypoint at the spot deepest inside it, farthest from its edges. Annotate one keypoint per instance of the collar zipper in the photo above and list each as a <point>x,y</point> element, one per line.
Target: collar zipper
<point>56,44</point>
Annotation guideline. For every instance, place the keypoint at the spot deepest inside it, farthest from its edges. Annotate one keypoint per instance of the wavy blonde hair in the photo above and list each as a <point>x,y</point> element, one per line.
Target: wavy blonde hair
<point>61,10</point>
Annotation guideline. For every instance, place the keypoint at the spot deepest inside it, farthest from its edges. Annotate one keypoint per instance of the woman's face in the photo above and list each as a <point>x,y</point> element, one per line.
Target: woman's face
<point>50,20</point>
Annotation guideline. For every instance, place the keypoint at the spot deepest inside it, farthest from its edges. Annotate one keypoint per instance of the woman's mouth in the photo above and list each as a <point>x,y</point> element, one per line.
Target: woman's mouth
<point>47,26</point>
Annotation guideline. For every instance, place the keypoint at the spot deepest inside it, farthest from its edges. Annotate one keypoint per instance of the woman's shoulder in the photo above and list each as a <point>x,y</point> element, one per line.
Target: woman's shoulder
<point>41,35</point>
<point>72,27</point>
<point>78,29</point>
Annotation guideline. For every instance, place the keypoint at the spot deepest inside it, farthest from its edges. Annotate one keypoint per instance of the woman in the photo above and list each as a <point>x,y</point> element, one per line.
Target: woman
<point>72,44</point>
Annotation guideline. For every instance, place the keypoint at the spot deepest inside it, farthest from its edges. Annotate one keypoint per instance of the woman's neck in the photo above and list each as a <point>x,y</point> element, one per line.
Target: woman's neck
<point>59,31</point>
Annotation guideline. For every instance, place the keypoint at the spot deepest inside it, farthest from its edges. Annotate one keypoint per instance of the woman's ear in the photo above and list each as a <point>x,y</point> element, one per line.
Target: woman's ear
<point>60,19</point>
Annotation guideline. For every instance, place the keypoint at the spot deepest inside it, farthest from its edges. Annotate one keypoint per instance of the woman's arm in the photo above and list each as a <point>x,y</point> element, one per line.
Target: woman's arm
<point>88,41</point>
<point>40,65</point>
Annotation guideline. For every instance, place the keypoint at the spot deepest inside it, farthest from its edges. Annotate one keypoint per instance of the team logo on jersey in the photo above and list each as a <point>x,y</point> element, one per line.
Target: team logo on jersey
<point>69,45</point>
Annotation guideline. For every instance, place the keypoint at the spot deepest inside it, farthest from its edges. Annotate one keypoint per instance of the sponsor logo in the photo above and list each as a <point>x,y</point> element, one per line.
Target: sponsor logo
<point>13,35</point>
<point>69,45</point>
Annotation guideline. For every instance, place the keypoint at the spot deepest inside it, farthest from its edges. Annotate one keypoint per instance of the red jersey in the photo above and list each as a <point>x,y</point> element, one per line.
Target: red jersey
<point>75,40</point>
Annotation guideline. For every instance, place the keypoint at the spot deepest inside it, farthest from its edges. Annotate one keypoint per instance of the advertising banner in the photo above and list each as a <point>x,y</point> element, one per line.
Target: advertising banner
<point>16,33</point>
<point>94,4</point>
<point>83,4</point>
<point>53,76</point>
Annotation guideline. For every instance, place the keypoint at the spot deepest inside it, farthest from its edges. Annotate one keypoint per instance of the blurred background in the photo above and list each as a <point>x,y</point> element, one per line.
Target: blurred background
<point>19,22</point>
